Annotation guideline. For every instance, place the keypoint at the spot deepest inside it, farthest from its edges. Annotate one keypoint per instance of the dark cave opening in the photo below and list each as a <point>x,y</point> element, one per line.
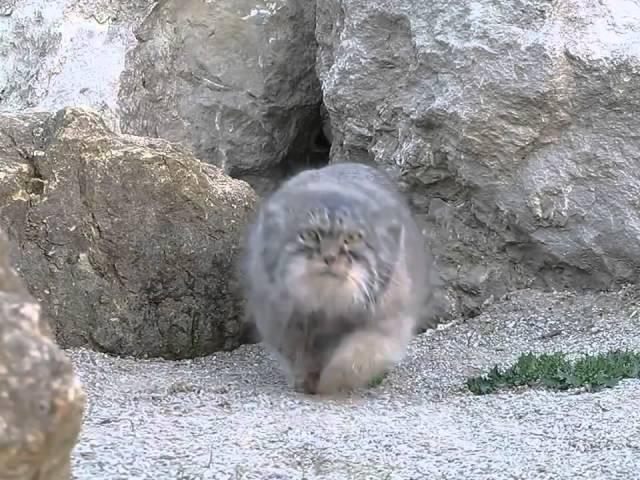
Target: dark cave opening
<point>309,149</point>
<point>312,147</point>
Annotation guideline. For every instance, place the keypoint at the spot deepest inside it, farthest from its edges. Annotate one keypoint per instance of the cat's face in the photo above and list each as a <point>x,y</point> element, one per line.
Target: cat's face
<point>336,260</point>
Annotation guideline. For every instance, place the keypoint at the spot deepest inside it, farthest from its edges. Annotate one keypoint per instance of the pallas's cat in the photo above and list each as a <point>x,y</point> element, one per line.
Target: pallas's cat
<point>337,276</point>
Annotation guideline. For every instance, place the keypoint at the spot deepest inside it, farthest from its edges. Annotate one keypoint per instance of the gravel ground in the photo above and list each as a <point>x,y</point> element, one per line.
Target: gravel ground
<point>230,415</point>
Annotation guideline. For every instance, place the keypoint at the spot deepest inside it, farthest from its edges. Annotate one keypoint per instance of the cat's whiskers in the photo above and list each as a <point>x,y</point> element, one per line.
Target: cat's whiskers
<point>362,293</point>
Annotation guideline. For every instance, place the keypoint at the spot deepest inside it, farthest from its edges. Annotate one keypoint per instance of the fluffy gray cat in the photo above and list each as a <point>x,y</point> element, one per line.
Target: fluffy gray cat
<point>337,276</point>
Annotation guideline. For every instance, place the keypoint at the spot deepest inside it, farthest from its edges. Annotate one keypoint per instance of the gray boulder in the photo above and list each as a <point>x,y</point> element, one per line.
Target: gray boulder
<point>512,125</point>
<point>129,243</point>
<point>42,403</point>
<point>234,79</point>
<point>59,53</point>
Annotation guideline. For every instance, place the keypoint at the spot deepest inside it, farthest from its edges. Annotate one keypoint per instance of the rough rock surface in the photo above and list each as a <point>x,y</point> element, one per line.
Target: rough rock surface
<point>60,53</point>
<point>129,243</point>
<point>235,79</point>
<point>231,415</point>
<point>512,124</point>
<point>41,400</point>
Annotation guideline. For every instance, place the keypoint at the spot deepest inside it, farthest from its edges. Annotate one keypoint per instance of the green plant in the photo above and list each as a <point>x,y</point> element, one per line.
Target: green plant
<point>377,380</point>
<point>555,372</point>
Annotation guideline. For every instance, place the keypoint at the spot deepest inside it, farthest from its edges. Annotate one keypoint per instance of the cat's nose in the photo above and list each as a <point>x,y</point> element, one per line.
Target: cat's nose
<point>330,258</point>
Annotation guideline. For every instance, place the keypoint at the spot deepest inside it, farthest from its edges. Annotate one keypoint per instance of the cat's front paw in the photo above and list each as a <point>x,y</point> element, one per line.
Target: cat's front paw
<point>334,379</point>
<point>350,369</point>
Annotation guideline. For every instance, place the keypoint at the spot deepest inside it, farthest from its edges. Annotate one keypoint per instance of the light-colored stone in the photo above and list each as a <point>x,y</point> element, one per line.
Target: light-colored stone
<point>234,79</point>
<point>60,53</point>
<point>512,125</point>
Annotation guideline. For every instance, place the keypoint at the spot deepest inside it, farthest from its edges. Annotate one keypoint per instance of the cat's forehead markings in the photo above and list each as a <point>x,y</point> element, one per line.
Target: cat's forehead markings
<point>327,216</point>
<point>319,216</point>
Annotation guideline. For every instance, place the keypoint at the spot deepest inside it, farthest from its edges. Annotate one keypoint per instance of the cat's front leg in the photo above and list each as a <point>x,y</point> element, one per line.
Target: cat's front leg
<point>360,358</point>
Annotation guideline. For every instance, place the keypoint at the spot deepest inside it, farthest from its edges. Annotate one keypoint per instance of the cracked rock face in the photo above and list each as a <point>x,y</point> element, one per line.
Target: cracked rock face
<point>513,126</point>
<point>129,243</point>
<point>234,79</point>
<point>41,400</point>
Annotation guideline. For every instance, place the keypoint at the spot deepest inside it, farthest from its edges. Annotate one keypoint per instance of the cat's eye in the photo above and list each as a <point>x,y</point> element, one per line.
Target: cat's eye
<point>309,236</point>
<point>353,237</point>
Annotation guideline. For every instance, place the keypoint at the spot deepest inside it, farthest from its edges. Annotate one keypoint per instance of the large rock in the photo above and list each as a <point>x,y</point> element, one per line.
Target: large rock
<point>235,79</point>
<point>130,243</point>
<point>513,125</point>
<point>41,401</point>
<point>58,53</point>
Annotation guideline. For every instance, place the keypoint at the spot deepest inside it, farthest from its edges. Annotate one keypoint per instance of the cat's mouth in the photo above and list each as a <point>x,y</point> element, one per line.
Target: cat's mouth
<point>331,273</point>
<point>337,271</point>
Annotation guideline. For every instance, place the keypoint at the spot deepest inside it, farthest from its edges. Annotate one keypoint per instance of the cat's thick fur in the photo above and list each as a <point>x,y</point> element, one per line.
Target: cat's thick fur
<point>337,275</point>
